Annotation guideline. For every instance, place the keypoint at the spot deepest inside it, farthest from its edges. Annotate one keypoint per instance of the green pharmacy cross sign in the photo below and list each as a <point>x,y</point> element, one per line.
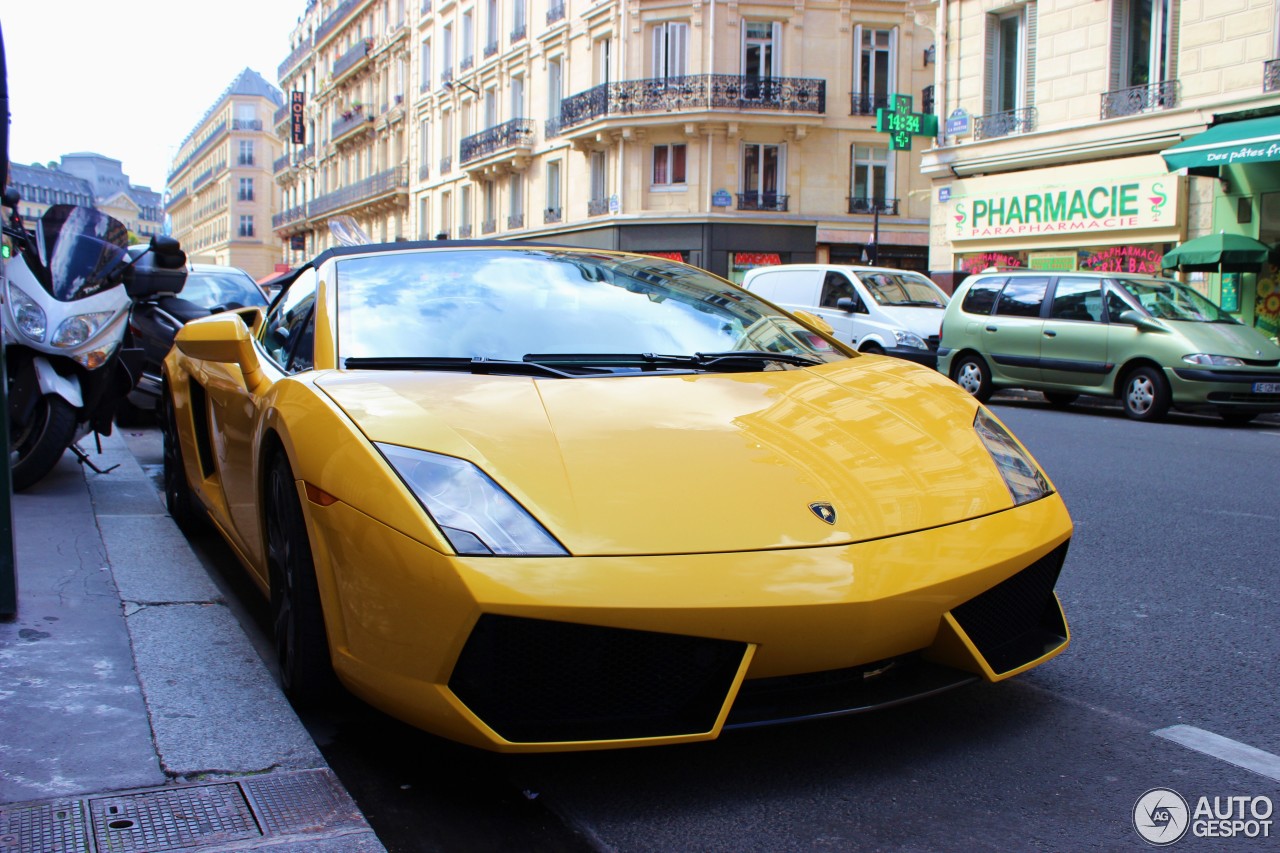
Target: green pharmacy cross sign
<point>901,124</point>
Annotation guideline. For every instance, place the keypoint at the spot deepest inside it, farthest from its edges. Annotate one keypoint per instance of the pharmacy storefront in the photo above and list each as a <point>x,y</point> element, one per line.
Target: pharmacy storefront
<point>1113,216</point>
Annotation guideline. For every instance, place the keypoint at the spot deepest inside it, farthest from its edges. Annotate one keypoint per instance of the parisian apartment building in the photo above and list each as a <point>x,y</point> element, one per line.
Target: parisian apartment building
<point>722,133</point>
<point>89,180</point>
<point>220,191</point>
<point>1099,134</point>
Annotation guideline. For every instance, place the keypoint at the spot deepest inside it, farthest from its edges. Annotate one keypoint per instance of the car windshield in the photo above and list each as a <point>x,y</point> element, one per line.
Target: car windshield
<point>210,288</point>
<point>517,303</point>
<point>903,288</point>
<point>1169,300</point>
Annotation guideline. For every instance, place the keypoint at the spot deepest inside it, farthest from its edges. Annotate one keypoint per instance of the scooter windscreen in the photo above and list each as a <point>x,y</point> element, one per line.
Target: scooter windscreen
<point>82,252</point>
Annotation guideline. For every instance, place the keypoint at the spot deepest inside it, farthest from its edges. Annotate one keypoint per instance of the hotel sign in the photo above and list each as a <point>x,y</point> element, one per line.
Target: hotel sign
<point>1121,204</point>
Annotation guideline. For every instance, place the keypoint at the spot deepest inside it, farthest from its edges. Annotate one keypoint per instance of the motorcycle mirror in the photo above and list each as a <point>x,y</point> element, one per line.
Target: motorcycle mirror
<point>12,197</point>
<point>166,253</point>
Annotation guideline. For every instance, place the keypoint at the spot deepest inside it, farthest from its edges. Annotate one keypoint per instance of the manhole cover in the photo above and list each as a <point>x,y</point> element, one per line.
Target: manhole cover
<point>165,820</point>
<point>43,828</point>
<point>288,803</point>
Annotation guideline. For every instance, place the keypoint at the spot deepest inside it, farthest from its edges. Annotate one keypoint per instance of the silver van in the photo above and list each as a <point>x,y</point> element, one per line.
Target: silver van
<point>875,309</point>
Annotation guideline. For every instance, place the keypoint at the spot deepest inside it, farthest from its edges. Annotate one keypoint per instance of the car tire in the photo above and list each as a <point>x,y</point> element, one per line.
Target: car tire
<point>36,446</point>
<point>297,618</point>
<point>1060,399</point>
<point>1231,418</point>
<point>872,349</point>
<point>970,372</point>
<point>1145,394</point>
<point>184,508</point>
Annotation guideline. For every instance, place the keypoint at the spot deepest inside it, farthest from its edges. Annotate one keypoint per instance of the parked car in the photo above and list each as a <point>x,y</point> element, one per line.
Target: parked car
<point>153,323</point>
<point>876,309</point>
<point>539,498</point>
<point>1152,343</point>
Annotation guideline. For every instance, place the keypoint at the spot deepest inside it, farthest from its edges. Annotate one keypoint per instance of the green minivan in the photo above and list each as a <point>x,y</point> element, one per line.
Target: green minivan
<point>1150,342</point>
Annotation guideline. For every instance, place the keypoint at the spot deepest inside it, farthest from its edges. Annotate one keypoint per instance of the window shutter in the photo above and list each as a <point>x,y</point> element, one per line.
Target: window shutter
<point>678,50</point>
<point>892,86</point>
<point>857,60</point>
<point>1172,10</point>
<point>989,61</point>
<point>1029,33</point>
<point>1118,77</point>
<point>775,52</point>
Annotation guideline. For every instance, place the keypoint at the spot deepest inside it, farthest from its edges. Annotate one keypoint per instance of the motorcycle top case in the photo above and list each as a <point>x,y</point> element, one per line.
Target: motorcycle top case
<point>144,279</point>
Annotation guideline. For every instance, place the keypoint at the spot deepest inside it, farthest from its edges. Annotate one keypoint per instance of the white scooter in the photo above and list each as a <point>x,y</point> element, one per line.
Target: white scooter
<point>66,295</point>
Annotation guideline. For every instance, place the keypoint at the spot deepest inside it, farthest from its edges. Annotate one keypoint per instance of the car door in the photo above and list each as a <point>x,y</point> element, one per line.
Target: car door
<point>849,326</point>
<point>1011,335</point>
<point>1073,350</point>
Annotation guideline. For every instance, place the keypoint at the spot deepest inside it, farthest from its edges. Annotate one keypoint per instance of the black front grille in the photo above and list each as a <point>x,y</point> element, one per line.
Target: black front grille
<point>1018,619</point>
<point>533,681</point>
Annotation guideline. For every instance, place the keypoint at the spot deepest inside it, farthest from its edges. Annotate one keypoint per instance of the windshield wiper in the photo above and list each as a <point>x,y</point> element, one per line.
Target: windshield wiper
<point>465,365</point>
<point>734,360</point>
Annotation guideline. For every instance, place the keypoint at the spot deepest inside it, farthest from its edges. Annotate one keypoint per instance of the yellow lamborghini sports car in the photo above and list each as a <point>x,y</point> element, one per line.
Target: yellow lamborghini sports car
<point>541,498</point>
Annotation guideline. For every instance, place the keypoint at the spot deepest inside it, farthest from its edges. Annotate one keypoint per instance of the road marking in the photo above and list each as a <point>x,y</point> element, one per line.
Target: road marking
<point>1233,752</point>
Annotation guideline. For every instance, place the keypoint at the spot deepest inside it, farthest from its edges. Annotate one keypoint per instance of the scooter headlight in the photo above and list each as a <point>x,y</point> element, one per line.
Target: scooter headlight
<point>74,331</point>
<point>28,317</point>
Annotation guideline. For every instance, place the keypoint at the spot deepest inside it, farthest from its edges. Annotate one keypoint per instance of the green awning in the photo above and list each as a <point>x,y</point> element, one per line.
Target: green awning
<point>1255,140</point>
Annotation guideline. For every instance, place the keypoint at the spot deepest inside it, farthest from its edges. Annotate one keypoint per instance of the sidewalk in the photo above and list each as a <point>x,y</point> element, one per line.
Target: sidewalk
<point>134,713</point>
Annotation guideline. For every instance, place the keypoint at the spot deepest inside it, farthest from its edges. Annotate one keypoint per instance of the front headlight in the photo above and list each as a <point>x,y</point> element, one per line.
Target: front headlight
<point>1203,358</point>
<point>909,339</point>
<point>472,511</point>
<point>74,331</point>
<point>27,315</point>
<point>1020,473</point>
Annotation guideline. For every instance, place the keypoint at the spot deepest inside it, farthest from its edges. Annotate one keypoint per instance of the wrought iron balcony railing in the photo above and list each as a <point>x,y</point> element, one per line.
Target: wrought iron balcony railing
<point>555,12</point>
<point>424,172</point>
<point>280,164</point>
<point>1152,97</point>
<point>515,221</point>
<point>1271,75</point>
<point>370,189</point>
<point>295,56</point>
<point>177,197</point>
<point>336,18</point>
<point>348,124</point>
<point>695,92</point>
<point>519,32</point>
<point>866,103</point>
<point>996,125</point>
<point>464,232</point>
<point>353,57</point>
<point>446,165</point>
<point>510,134</point>
<point>551,127</point>
<point>490,49</point>
<point>597,206</point>
<point>280,116</point>
<point>926,99</point>
<point>488,226</point>
<point>762,201</point>
<point>246,124</point>
<point>887,206</point>
<point>552,215</point>
<point>213,134</point>
<point>466,63</point>
<point>293,214</point>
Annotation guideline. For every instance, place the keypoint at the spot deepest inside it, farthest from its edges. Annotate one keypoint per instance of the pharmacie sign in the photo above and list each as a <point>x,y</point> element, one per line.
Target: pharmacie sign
<point>1116,205</point>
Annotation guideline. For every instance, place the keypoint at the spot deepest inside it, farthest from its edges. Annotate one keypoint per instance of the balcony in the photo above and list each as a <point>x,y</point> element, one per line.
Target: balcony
<point>351,61</point>
<point>997,125</point>
<point>488,226</point>
<point>464,232</point>
<point>446,165</point>
<point>293,214</point>
<point>424,172</point>
<point>860,204</point>
<point>552,215</point>
<point>866,103</point>
<point>555,12</point>
<point>514,134</point>
<point>467,62</point>
<point>299,53</point>
<point>376,189</point>
<point>762,201</point>
<point>1271,75</point>
<point>214,135</point>
<point>336,18</point>
<point>246,124</point>
<point>280,164</point>
<point>281,116</point>
<point>695,92</point>
<point>597,206</point>
<point>551,128</point>
<point>1140,99</point>
<point>490,49</point>
<point>351,123</point>
<point>515,221</point>
<point>175,198</point>
<point>519,33</point>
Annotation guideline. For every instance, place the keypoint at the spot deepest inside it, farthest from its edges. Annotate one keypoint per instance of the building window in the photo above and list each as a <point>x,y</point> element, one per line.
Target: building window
<point>246,189</point>
<point>424,219</point>
<point>467,49</point>
<point>670,50</point>
<point>515,211</point>
<point>446,52</point>
<point>1142,51</point>
<point>668,164</point>
<point>874,66</point>
<point>425,59</point>
<point>762,178</point>
<point>603,49</point>
<point>246,226</point>
<point>871,177</point>
<point>1010,60</point>
<point>464,211</point>
<point>598,200</point>
<point>760,46</point>
<point>246,152</point>
<point>553,189</point>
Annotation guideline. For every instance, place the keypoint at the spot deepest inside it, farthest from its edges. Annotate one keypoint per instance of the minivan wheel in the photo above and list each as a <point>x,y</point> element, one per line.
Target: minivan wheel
<point>1060,399</point>
<point>1145,395</point>
<point>970,373</point>
<point>872,349</point>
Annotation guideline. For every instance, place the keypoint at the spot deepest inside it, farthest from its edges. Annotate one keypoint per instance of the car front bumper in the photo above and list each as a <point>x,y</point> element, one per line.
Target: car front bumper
<point>539,654</point>
<point>1227,389</point>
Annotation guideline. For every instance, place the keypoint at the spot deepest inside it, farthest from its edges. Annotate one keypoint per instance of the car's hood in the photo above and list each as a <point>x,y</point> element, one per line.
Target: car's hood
<point>701,463</point>
<point>1233,339</point>
<point>917,318</point>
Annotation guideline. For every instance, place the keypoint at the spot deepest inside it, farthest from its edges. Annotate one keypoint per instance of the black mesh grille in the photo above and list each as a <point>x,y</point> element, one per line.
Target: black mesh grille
<point>1017,620</point>
<point>531,680</point>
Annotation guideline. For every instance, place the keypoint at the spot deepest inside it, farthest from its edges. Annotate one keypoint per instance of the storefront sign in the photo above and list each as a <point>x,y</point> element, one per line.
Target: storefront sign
<point>1140,260</point>
<point>749,260</point>
<point>297,118</point>
<point>1084,209</point>
<point>979,262</point>
<point>1230,300</point>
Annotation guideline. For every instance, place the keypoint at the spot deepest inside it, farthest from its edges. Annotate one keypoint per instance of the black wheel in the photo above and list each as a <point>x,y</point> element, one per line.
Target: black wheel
<point>1231,418</point>
<point>37,445</point>
<point>182,504</point>
<point>872,349</point>
<point>297,620</point>
<point>1059,399</point>
<point>970,373</point>
<point>1145,394</point>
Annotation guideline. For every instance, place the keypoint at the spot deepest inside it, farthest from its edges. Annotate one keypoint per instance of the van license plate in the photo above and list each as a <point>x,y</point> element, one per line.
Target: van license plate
<point>1266,387</point>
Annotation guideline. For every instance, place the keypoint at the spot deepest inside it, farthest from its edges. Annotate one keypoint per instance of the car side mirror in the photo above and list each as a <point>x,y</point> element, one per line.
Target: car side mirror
<point>1142,321</point>
<point>847,304</point>
<point>225,339</point>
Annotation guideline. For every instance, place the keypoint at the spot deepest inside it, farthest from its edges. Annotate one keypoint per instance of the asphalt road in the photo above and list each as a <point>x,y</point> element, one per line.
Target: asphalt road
<point>1171,592</point>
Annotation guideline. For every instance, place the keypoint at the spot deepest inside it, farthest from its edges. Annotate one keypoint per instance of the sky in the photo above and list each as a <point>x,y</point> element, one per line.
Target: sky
<point>130,79</point>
